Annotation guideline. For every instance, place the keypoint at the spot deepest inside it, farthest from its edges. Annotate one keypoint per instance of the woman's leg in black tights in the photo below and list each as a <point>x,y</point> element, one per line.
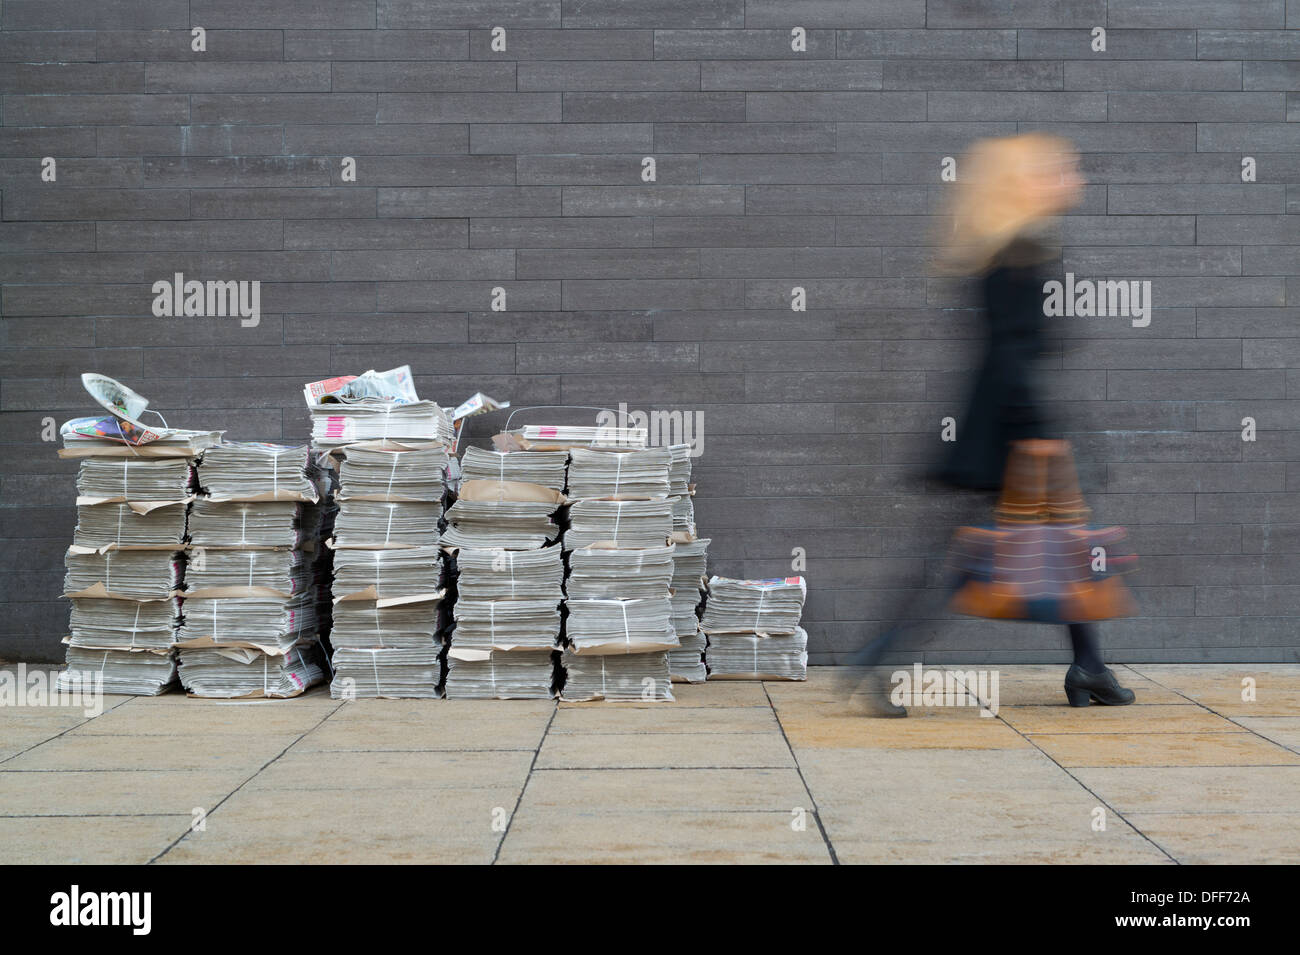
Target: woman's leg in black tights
<point>1086,640</point>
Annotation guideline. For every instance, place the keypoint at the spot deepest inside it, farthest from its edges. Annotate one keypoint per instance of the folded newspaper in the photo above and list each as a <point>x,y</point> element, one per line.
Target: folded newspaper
<point>771,606</point>
<point>642,677</point>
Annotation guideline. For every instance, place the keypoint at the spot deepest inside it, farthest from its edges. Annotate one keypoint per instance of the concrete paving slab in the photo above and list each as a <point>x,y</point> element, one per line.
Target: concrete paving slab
<point>460,771</point>
<point>1196,788</point>
<point>1155,718</point>
<point>1283,730</point>
<point>350,826</point>
<point>114,792</point>
<point>1221,838</point>
<point>731,719</point>
<point>667,790</point>
<point>87,840</point>
<point>563,836</point>
<point>442,731</point>
<point>662,750</point>
<point>237,752</point>
<point>1163,749</point>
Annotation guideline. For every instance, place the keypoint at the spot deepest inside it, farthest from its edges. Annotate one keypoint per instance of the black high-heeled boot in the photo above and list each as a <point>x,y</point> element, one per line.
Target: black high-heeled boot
<point>1082,687</point>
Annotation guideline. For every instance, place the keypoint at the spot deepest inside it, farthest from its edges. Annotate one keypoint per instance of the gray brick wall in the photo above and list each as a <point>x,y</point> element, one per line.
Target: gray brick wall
<point>775,168</point>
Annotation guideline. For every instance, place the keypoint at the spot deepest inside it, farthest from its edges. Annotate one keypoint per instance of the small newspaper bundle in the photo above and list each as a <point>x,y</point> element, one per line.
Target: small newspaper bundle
<point>335,425</point>
<point>639,625</point>
<point>510,574</point>
<point>379,574</point>
<point>503,514</point>
<point>636,524</point>
<point>128,672</point>
<point>135,479</point>
<point>263,622</point>
<point>401,673</point>
<point>229,673</point>
<point>106,623</point>
<point>771,606</point>
<point>255,470</point>
<point>500,675</point>
<point>687,663</point>
<point>546,468</point>
<point>284,571</point>
<point>132,574</point>
<point>145,524</point>
<point>403,623</point>
<point>393,472</point>
<point>752,656</point>
<point>619,474</point>
<point>506,624</point>
<point>598,571</point>
<point>245,524</point>
<point>380,524</point>
<point>636,677</point>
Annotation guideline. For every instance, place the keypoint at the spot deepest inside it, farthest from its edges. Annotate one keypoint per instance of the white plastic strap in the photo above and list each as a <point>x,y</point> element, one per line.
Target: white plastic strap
<point>391,475</point>
<point>275,474</point>
<point>510,556</point>
<point>379,633</point>
<point>243,525</point>
<point>492,622</point>
<point>374,667</point>
<point>120,509</point>
<point>265,661</point>
<point>501,466</point>
<point>108,571</point>
<point>392,509</point>
<point>492,671</point>
<point>762,592</point>
<point>618,518</point>
<point>627,634</point>
<point>214,619</point>
<point>135,626</point>
<point>126,479</point>
<point>618,471</point>
<point>756,639</point>
<point>602,676</point>
<point>251,555</point>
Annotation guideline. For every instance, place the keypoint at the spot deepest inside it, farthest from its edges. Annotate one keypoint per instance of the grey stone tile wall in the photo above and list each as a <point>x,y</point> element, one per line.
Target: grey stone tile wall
<point>478,168</point>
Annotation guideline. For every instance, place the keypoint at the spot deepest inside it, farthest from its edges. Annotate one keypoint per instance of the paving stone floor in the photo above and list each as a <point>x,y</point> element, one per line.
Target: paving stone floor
<point>732,772</point>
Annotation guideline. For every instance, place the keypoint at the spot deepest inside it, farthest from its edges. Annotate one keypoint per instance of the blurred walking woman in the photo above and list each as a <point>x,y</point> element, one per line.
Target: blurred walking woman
<point>1009,192</point>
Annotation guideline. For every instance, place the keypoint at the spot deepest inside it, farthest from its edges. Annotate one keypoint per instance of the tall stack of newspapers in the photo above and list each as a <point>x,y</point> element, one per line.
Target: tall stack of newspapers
<point>125,565</point>
<point>619,627</point>
<point>386,451</point>
<point>753,629</point>
<point>690,559</point>
<point>501,536</point>
<point>248,626</point>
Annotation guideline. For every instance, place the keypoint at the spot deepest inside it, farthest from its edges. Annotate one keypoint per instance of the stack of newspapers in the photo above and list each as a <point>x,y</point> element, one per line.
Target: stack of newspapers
<point>619,628</point>
<point>125,566</point>
<point>689,566</point>
<point>508,587</point>
<point>249,626</point>
<point>389,595</point>
<point>753,629</point>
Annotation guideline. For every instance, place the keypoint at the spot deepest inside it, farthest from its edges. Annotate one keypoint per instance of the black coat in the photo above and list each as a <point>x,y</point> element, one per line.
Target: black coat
<point>1005,403</point>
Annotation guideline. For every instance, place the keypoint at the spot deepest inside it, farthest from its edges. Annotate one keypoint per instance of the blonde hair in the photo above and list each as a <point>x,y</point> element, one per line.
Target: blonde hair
<point>994,199</point>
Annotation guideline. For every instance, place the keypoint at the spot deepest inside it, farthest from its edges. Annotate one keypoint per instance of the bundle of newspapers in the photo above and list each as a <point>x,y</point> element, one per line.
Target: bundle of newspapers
<point>546,468</point>
<point>361,621</point>
<point>374,406</point>
<point>401,572</point>
<point>253,470</point>
<point>510,515</point>
<point>641,677</point>
<point>244,673</point>
<point>135,479</point>
<point>389,471</point>
<point>127,574</point>
<point>131,672</point>
<point>753,628</point>
<point>145,524</point>
<point>604,571</point>
<point>635,524</point>
<point>510,574</point>
<point>613,626</point>
<point>689,566</point>
<point>499,674</point>
<point>380,524</point>
<point>249,625</point>
<point>752,656</point>
<point>386,672</point>
<point>619,474</point>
